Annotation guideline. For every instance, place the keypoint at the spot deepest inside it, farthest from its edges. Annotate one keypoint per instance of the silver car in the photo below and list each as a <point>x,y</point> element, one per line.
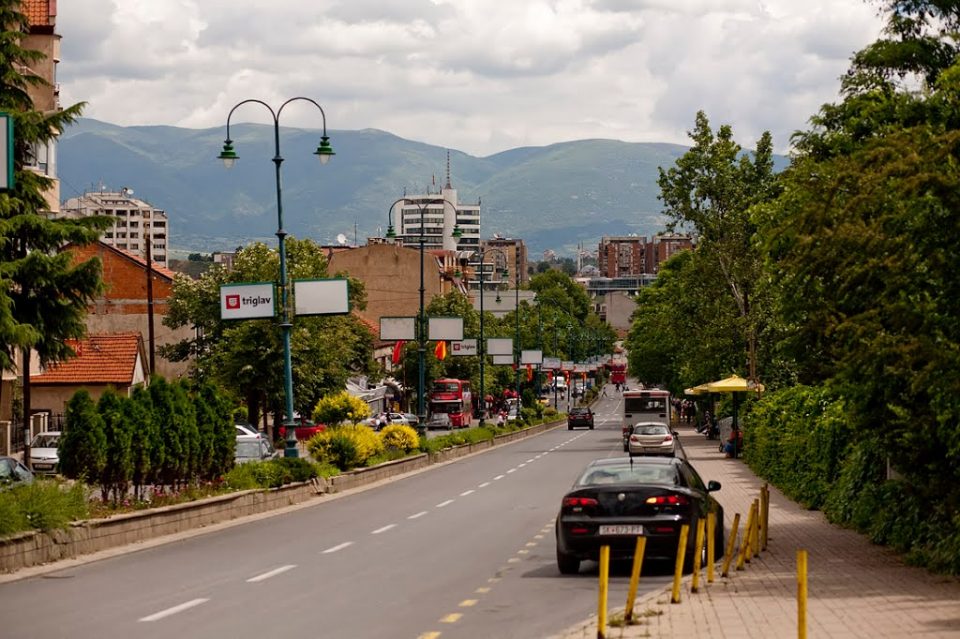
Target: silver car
<point>652,438</point>
<point>253,448</point>
<point>44,454</point>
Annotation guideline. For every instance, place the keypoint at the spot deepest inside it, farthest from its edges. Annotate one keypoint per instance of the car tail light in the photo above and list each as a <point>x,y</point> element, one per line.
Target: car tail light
<point>579,531</point>
<point>664,529</point>
<point>668,500</point>
<point>668,438</point>
<point>578,502</point>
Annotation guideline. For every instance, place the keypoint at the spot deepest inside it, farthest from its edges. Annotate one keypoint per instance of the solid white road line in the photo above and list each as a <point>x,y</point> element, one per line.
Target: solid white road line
<point>417,515</point>
<point>337,547</point>
<point>172,611</point>
<point>466,492</point>
<point>272,573</point>
<point>444,503</point>
<point>384,529</point>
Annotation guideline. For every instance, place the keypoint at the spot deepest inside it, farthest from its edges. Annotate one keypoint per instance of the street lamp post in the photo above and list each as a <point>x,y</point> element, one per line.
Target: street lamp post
<point>421,324</point>
<point>481,348</point>
<point>324,152</point>
<point>516,344</point>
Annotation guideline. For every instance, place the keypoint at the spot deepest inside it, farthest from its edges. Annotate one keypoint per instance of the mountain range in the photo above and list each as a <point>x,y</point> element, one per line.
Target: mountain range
<point>553,197</point>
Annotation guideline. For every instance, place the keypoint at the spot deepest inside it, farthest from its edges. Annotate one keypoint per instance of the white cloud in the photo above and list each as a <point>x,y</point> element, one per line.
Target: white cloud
<point>474,75</point>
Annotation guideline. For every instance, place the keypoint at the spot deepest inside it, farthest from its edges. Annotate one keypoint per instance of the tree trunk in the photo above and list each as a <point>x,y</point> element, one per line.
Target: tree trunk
<point>27,426</point>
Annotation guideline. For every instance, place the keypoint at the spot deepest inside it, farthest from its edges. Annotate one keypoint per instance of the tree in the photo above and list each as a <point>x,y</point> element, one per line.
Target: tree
<point>43,296</point>
<point>118,433</point>
<point>246,357</point>
<point>711,190</point>
<point>82,451</point>
<point>146,444</point>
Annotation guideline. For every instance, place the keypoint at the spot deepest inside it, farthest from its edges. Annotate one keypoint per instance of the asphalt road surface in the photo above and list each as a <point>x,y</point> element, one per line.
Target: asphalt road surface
<point>464,550</point>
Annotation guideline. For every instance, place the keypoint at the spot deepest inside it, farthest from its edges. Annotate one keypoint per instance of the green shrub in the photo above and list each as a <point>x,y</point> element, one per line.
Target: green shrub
<point>296,469</point>
<point>46,505</point>
<point>253,475</point>
<point>550,413</point>
<point>12,518</point>
<point>400,437</point>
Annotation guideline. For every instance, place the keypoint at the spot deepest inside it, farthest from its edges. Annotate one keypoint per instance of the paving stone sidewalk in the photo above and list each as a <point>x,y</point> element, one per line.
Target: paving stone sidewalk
<point>856,589</point>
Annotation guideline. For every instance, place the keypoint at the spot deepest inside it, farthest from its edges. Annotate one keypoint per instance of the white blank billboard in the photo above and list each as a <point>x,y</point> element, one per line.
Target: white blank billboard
<point>321,297</point>
<point>397,328</point>
<point>445,328</point>
<point>500,346</point>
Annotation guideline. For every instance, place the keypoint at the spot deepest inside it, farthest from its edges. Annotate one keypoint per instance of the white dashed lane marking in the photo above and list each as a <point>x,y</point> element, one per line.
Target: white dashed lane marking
<point>466,492</point>
<point>444,503</point>
<point>383,529</point>
<point>271,573</point>
<point>337,547</point>
<point>417,515</point>
<point>172,611</point>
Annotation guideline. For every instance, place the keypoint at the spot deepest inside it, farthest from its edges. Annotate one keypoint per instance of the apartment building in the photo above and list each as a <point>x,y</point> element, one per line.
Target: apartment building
<point>137,227</point>
<point>635,255</point>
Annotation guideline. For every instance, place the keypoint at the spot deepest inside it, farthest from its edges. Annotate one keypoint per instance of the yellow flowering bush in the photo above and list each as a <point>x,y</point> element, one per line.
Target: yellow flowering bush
<point>345,446</point>
<point>400,437</point>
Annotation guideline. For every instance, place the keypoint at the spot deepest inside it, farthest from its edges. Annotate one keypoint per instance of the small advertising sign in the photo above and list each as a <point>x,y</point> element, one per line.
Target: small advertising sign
<point>503,360</point>
<point>398,328</point>
<point>551,363</point>
<point>464,347</point>
<point>444,328</point>
<point>247,301</point>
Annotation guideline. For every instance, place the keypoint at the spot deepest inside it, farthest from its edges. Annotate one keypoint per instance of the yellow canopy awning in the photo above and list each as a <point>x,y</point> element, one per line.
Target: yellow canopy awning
<point>734,384</point>
<point>696,390</point>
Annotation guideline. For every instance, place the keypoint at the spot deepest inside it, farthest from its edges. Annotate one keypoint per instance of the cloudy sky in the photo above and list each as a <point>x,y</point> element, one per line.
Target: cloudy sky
<point>479,76</point>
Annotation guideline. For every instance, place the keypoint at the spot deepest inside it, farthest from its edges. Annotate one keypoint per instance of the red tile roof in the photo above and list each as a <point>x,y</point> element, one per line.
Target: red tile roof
<point>39,12</point>
<point>141,260</point>
<point>101,359</point>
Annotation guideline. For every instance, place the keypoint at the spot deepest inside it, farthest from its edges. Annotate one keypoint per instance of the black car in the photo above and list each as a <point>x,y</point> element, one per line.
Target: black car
<point>580,416</point>
<point>615,500</point>
<point>13,473</point>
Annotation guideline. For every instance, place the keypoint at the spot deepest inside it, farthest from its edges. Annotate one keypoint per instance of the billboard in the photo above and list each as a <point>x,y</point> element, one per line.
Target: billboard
<point>445,328</point>
<point>464,347</point>
<point>321,297</point>
<point>248,300</point>
<point>500,346</point>
<point>531,357</point>
<point>501,360</point>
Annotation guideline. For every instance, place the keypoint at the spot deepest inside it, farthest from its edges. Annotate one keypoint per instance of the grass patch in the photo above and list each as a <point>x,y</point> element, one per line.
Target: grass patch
<point>42,505</point>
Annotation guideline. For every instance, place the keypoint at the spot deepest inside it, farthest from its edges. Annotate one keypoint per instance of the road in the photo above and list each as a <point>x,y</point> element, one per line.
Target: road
<point>463,550</point>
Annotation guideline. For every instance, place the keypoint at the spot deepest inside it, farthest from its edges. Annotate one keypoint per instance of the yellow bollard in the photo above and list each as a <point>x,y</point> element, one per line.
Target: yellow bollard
<point>766,515</point>
<point>711,541</point>
<point>604,582</point>
<point>697,554</point>
<point>678,569</point>
<point>801,594</point>
<point>755,539</point>
<point>634,578</point>
<point>760,522</point>
<point>728,555</point>
<point>745,540</point>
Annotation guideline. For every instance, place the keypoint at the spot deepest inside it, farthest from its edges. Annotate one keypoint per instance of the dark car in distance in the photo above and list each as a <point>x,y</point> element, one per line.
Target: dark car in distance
<point>617,499</point>
<point>580,416</point>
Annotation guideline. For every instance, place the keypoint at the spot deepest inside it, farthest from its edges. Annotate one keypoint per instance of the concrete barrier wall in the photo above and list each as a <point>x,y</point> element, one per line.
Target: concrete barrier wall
<point>33,548</point>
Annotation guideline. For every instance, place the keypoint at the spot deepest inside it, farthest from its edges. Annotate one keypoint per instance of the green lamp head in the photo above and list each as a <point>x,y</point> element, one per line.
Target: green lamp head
<point>228,155</point>
<point>324,151</point>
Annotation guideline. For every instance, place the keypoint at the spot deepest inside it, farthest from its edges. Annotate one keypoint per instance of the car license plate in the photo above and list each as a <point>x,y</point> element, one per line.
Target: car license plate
<point>621,529</point>
<point>43,466</point>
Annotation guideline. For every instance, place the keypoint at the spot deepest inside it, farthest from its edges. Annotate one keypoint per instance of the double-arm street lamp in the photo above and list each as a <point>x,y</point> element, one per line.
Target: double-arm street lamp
<point>324,152</point>
<point>421,324</point>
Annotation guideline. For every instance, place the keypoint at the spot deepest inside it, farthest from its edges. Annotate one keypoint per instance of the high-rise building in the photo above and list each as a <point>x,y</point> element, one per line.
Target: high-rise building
<point>635,255</point>
<point>439,213</point>
<point>137,227</point>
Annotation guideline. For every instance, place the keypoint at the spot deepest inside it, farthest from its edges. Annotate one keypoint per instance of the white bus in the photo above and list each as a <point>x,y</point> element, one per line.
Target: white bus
<point>648,405</point>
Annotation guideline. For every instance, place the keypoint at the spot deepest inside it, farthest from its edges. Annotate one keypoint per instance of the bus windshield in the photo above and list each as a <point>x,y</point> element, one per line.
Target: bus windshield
<point>446,387</point>
<point>645,404</point>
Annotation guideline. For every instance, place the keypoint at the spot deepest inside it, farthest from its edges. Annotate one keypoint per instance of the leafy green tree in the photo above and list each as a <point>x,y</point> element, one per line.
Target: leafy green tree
<point>217,443</point>
<point>118,432</point>
<point>83,448</point>
<point>43,296</point>
<point>246,357</point>
<point>710,191</point>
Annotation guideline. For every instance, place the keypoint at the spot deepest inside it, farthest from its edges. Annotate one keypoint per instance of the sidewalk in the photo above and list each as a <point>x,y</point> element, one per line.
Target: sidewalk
<point>856,589</point>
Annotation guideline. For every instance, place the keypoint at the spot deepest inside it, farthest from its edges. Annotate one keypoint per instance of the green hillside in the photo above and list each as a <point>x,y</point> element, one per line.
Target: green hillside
<point>553,196</point>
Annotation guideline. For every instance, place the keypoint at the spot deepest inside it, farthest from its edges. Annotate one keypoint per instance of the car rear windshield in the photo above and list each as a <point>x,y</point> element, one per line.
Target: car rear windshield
<point>248,450</point>
<point>46,441</point>
<point>578,411</point>
<point>650,429</point>
<point>661,474</point>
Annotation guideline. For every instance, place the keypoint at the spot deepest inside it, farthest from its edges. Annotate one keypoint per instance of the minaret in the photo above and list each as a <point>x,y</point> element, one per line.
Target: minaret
<point>449,194</point>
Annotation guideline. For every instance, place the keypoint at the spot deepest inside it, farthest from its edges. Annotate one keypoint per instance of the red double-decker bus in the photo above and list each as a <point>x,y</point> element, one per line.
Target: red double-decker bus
<point>618,372</point>
<point>452,397</point>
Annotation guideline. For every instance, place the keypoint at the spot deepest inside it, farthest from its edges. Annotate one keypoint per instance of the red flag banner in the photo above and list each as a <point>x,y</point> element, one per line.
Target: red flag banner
<point>398,351</point>
<point>529,372</point>
<point>441,350</point>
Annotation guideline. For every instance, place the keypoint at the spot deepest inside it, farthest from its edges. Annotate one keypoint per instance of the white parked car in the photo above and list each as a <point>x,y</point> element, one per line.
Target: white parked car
<point>253,448</point>
<point>44,455</point>
<point>652,438</point>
